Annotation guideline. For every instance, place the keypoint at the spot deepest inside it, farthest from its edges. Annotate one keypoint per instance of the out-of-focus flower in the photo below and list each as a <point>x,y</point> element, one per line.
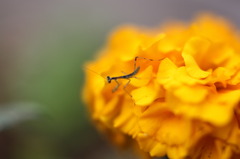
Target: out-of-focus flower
<point>184,106</point>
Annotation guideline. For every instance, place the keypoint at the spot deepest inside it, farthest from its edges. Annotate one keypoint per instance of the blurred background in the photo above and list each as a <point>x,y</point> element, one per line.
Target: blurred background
<point>43,45</point>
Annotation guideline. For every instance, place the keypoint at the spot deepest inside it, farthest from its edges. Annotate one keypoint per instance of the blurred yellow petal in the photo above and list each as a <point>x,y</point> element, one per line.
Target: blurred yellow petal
<point>176,152</point>
<point>221,74</point>
<point>174,131</point>
<point>110,107</point>
<point>149,121</point>
<point>126,120</point>
<point>158,150</point>
<point>97,107</point>
<point>155,148</point>
<point>235,80</point>
<point>196,46</point>
<point>191,95</point>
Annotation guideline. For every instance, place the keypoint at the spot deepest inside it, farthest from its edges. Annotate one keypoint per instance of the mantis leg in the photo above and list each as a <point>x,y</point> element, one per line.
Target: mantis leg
<point>116,88</point>
<point>125,86</point>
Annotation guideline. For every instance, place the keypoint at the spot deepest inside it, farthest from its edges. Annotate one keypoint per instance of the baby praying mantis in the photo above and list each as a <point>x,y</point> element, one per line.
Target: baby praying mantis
<point>128,76</point>
<point>136,70</point>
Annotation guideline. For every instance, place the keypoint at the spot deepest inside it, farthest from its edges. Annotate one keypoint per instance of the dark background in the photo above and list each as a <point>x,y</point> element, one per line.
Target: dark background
<point>43,45</point>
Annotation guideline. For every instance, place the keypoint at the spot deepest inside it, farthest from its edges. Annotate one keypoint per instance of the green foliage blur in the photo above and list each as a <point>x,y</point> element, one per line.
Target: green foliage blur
<point>50,74</point>
<point>42,115</point>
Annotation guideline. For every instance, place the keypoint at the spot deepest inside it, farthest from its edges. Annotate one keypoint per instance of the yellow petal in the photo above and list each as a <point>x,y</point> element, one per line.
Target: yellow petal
<point>192,67</point>
<point>183,77</point>
<point>145,95</point>
<point>166,71</point>
<point>219,110</point>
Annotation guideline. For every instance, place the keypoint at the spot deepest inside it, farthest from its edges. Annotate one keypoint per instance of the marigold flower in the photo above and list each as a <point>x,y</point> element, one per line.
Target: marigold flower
<point>184,105</point>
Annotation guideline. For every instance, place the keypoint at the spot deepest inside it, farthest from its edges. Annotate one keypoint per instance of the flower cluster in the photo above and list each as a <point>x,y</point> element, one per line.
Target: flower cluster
<point>184,103</point>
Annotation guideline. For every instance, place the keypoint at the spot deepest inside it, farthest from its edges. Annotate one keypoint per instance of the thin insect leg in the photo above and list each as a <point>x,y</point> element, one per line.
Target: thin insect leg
<point>137,57</point>
<point>125,86</point>
<point>115,88</point>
